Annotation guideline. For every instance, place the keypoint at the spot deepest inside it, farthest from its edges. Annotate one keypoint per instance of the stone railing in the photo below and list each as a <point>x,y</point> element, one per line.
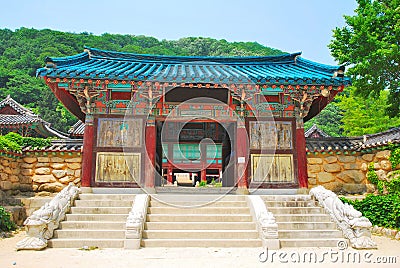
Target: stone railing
<point>135,222</point>
<point>354,226</point>
<point>41,224</point>
<point>265,220</point>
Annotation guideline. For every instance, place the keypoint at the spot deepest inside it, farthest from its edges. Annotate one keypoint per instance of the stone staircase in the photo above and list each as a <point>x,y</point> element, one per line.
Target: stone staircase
<point>224,223</point>
<point>301,222</point>
<point>95,220</point>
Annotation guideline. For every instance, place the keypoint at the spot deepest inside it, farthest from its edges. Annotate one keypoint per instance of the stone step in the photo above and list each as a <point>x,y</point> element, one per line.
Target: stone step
<point>205,198</point>
<point>301,217</point>
<point>126,197</point>
<point>201,243</point>
<point>90,234</point>
<point>200,234</point>
<point>310,203</point>
<point>100,210</point>
<point>96,217</point>
<point>200,210</point>
<point>93,225</point>
<point>198,218</point>
<point>184,204</point>
<point>323,242</point>
<point>296,210</point>
<point>281,198</point>
<point>200,225</point>
<point>103,203</point>
<point>321,233</point>
<point>79,243</point>
<point>293,225</point>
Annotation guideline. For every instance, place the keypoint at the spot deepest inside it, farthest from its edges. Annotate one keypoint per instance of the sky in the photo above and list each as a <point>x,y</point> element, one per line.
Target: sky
<point>288,25</point>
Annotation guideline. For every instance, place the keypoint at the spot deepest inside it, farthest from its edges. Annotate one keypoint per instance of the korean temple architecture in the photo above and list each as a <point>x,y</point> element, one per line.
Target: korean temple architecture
<point>16,118</point>
<point>351,145</point>
<point>77,130</point>
<point>149,118</point>
<point>315,132</point>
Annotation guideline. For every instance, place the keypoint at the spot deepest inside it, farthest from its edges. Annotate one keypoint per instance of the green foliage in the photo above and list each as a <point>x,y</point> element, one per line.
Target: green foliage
<point>369,44</point>
<point>393,186</point>
<point>14,142</point>
<point>215,184</point>
<point>8,145</point>
<point>14,137</point>
<point>394,157</point>
<point>328,120</point>
<point>381,210</point>
<point>203,184</point>
<point>6,224</point>
<point>371,174</point>
<point>364,115</point>
<point>36,143</point>
<point>218,184</point>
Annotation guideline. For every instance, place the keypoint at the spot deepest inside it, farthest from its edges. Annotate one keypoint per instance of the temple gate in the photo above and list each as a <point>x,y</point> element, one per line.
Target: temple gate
<point>153,120</point>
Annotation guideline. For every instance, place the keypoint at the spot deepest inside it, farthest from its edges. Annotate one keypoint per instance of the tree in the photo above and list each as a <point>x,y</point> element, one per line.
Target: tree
<point>365,115</point>
<point>328,120</point>
<point>369,44</point>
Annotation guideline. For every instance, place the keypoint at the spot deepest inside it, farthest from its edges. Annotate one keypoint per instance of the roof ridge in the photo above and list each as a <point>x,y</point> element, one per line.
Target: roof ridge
<point>16,106</point>
<point>95,52</point>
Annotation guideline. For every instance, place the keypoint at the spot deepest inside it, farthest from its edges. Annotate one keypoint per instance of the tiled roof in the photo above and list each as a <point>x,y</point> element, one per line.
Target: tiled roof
<point>332,144</point>
<point>66,145</point>
<point>314,131</point>
<point>8,101</point>
<point>6,119</point>
<point>383,138</point>
<point>282,69</point>
<point>359,143</point>
<point>77,129</point>
<point>26,117</point>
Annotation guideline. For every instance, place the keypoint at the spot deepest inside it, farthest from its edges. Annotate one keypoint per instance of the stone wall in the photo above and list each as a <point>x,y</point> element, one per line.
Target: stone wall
<point>346,173</point>
<point>48,173</point>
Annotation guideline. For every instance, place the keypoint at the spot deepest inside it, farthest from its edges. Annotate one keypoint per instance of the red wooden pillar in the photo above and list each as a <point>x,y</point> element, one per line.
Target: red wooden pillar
<point>87,154</point>
<point>302,175</point>
<point>169,174</point>
<point>203,174</point>
<point>150,134</point>
<point>242,155</point>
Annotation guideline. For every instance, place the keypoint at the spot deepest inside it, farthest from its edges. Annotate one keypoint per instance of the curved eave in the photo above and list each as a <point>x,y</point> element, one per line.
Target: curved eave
<point>208,75</point>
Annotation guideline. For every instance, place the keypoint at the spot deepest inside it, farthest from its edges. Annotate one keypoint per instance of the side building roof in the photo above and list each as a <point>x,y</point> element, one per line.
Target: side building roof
<point>359,143</point>
<point>13,115</point>
<point>315,132</point>
<point>77,130</point>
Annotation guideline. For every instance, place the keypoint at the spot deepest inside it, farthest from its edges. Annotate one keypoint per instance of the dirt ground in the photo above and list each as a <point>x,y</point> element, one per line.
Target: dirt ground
<point>388,251</point>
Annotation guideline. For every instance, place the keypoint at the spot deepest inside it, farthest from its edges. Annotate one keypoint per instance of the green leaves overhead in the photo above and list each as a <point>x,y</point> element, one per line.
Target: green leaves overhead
<point>365,115</point>
<point>370,45</point>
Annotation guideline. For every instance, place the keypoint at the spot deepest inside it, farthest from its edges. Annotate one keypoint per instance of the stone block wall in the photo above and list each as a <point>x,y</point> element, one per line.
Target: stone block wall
<point>11,177</point>
<point>49,173</point>
<point>346,173</point>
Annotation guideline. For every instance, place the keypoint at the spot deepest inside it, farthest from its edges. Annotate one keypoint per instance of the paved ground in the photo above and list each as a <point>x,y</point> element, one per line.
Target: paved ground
<point>195,257</point>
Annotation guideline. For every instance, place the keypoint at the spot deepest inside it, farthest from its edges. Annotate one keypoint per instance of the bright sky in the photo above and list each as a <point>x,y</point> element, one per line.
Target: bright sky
<point>288,25</point>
